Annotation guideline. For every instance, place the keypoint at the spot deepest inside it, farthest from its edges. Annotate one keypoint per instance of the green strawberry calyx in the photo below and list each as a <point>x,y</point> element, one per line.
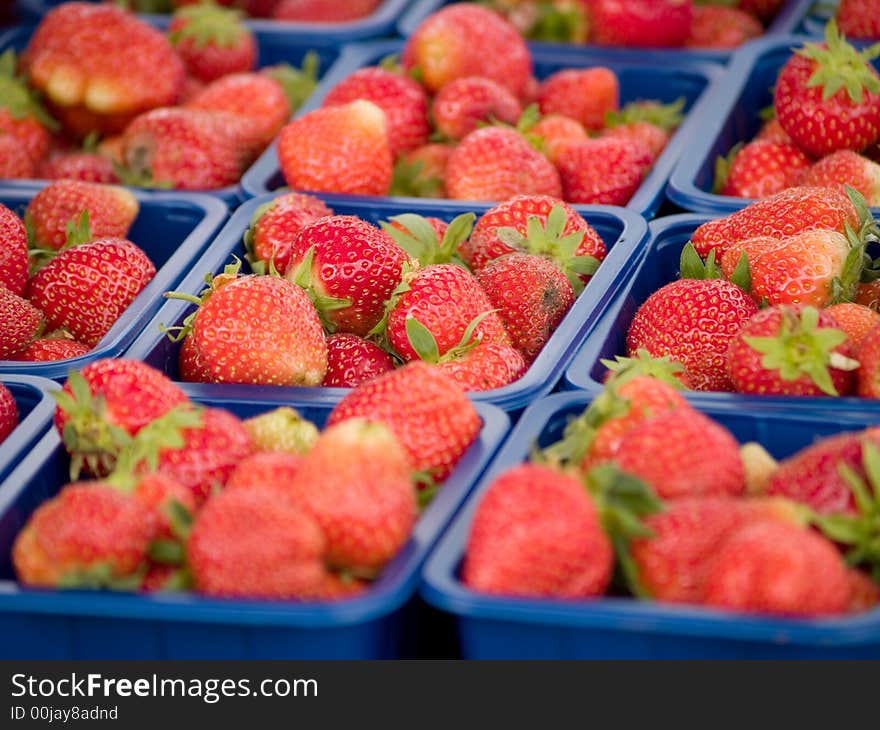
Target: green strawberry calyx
<point>801,348</point>
<point>665,116</point>
<point>17,98</point>
<point>420,240</point>
<point>325,304</point>
<point>422,340</point>
<point>691,266</point>
<point>839,65</point>
<point>77,231</point>
<point>409,180</point>
<point>643,363</point>
<point>101,575</point>
<point>297,83</point>
<point>557,24</point>
<point>207,23</point>
<point>212,283</point>
<point>723,163</point>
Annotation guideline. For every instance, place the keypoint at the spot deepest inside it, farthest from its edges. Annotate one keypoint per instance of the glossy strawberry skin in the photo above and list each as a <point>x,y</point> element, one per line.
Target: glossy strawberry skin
<point>15,163</point>
<point>763,168</point>
<point>868,374</point>
<point>641,23</point>
<point>856,320</point>
<point>9,416</point>
<point>843,168</point>
<point>352,360</point>
<point>85,166</point>
<point>29,134</point>
<point>13,251</point>
<point>211,57</point>
<point>462,105</point>
<point>603,171</point>
<point>556,132</point>
<point>486,366</point>
<point>50,350</point>
<point>716,26</point>
<point>266,470</point>
<point>585,95</point>
<point>318,11</point>
<point>859,19</point>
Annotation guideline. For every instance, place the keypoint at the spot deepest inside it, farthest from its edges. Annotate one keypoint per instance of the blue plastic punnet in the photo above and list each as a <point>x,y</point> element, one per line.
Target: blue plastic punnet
<point>35,410</point>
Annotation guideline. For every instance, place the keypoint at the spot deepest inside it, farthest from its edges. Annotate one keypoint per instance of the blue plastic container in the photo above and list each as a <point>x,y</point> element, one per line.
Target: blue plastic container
<point>44,624</point>
<point>659,78</point>
<point>493,627</point>
<point>815,16</point>
<point>659,266</point>
<point>622,231</point>
<point>35,410</point>
<point>786,21</point>
<point>730,116</point>
<point>273,48</point>
<point>173,229</point>
<point>379,23</point>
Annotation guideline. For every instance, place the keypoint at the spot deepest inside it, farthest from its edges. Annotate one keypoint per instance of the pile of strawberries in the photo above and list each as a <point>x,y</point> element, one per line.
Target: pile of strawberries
<point>465,118</point>
<point>100,95</point>
<point>67,270</point>
<point>825,128</point>
<point>300,11</point>
<point>627,488</point>
<point>336,301</point>
<point>181,496</point>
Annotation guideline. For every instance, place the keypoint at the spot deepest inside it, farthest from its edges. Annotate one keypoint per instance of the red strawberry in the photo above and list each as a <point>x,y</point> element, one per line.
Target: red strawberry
<point>212,42</point>
<point>864,592</point>
<point>266,470</point>
<point>421,173</point>
<point>246,543</point>
<point>605,171</point>
<point>868,355</point>
<point>100,66</point>
<point>586,95</point>
<point>349,268</point>
<point>641,23</point>
<point>8,412</point>
<point>400,97</point>
<point>772,131</point>
<point>646,122</point>
<point>84,290</point>
<point>843,168</point>
<point>190,366</point>
<point>85,166</point>
<point>716,26</point>
<point>496,163</point>
<point>275,224</point>
<point>352,360</point>
<point>536,532</point>
<point>856,320</point>
<point>51,349</point>
<point>557,131</point>
<point>464,104</point>
<point>859,18</point>
<point>761,168</point>
<point>163,497</point>
<point>467,40</point>
<point>20,324</point>
<point>111,210</point>
<point>693,321</point>
<point>868,293</point>
<point>339,149</point>
<point>827,96</point>
<point>785,350</point>
<point>482,366</point>
<point>764,9</point>
<point>21,115</point>
<point>15,163</point>
<point>281,429</point>
<point>13,251</point>
<point>322,11</point>
<point>427,411</point>
<point>776,568</point>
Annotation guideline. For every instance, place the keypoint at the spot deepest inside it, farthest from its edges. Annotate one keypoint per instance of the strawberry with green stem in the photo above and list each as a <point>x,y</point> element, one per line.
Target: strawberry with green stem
<point>420,238</point>
<point>20,324</point>
<point>647,122</point>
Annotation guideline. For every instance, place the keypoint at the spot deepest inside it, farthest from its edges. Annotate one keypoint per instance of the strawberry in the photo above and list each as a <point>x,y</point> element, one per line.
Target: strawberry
<point>9,416</point>
<point>84,290</point>
<point>531,294</point>
<point>465,39</point>
<point>401,98</point>
<point>86,166</point>
<point>785,350</point>
<point>51,349</point>
<point>275,224</point>
<point>246,543</point>
<point>859,18</point>
<point>21,115</point>
<point>13,251</point>
<point>775,568</point>
<point>269,470</point>
<point>868,294</point>
<point>647,122</point>
<point>864,592</point>
<point>556,131</point>
<point>826,88</point>
<point>189,364</point>
<point>843,168</point>
<point>605,171</point>
<point>15,163</point>
<point>641,23</point>
<point>764,9</point>
<point>719,27</point>
<point>352,360</point>
<point>111,211</point>
<point>339,149</point>
<point>100,66</point>
<point>783,214</point>
<point>322,11</point>
<point>496,163</point>
<point>771,131</point>
<point>856,320</point>
<point>212,41</point>
<point>693,321</point>
<point>421,172</point>
<point>427,411</point>
<point>586,95</point>
<point>282,429</point>
<point>164,497</point>
<point>464,104</point>
<point>536,532</point>
<point>482,366</point>
<point>868,355</point>
<point>20,323</point>
<point>349,268</point>
<point>761,168</point>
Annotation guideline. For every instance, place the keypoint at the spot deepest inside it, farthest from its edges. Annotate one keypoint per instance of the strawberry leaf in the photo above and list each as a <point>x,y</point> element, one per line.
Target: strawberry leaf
<point>742,274</point>
<point>422,340</point>
<point>166,552</point>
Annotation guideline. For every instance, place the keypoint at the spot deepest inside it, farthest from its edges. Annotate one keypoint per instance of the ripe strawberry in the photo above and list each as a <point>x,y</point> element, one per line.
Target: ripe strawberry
<point>189,366</point>
<point>859,18</point>
<point>772,131</point>
<point>275,224</point>
<point>86,166</point>
<point>717,26</point>
<point>100,66</point>
<point>427,411</point>
<point>868,294</point>
<point>51,349</point>
<point>401,98</point>
<point>783,214</point>
<point>246,543</point>
<point>649,123</point>
<point>536,532</point>
<point>21,115</point>
<point>785,350</point>
<point>9,416</point>
<point>586,95</point>
<point>843,168</point>
<point>864,592</point>
<point>20,323</point>
<point>481,366</point>
<point>322,11</point>
<point>761,168</point>
<point>496,163</point>
<point>13,251</point>
<point>163,496</point>
<point>261,330</point>
<point>339,149</point>
<point>281,429</point>
<point>764,9</point>
<point>352,360</point>
<point>531,294</point>
<point>641,23</point>
<point>771,567</point>
<point>212,41</point>
<point>827,96</point>
<point>467,40</point>
<point>693,321</point>
<point>266,470</point>
<point>557,131</point>
<point>856,320</point>
<point>84,290</point>
<point>111,210</point>
<point>868,355</point>
<point>15,163</point>
<point>464,104</point>
<point>349,269</point>
<point>605,171</point>
<point>421,173</point>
